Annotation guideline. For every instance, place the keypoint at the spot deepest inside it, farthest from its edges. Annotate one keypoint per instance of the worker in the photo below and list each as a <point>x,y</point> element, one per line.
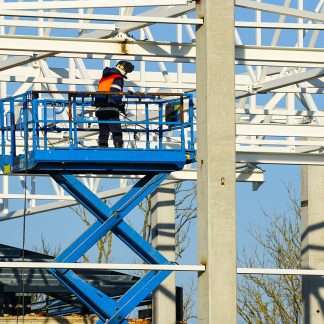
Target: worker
<point>108,107</point>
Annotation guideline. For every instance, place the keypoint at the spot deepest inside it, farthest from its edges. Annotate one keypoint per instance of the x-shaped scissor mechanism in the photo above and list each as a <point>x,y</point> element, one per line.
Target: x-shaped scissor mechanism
<point>110,219</point>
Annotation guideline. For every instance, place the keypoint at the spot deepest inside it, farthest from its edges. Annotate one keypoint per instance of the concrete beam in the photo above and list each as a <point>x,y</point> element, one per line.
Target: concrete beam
<point>312,207</point>
<point>163,234</point>
<point>216,162</point>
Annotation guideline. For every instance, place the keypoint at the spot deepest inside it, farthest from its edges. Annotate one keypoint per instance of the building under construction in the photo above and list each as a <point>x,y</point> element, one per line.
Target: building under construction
<point>219,88</point>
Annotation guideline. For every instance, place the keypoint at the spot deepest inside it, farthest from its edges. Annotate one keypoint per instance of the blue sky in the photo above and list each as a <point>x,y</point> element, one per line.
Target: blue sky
<point>63,226</point>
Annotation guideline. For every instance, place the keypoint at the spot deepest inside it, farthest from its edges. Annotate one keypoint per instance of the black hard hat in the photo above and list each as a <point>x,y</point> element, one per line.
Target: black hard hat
<point>128,66</point>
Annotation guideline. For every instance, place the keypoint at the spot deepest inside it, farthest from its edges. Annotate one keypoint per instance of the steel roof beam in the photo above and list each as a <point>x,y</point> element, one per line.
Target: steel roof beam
<point>92,82</point>
<point>276,25</point>
<point>123,27</point>
<point>280,10</point>
<point>143,49</point>
<point>20,60</point>
<point>51,24</point>
<point>94,17</point>
<point>29,54</point>
<point>284,82</point>
<point>243,93</point>
<point>288,158</point>
<point>70,45</point>
<point>23,74</point>
<point>287,56</point>
<point>279,130</point>
<point>89,4</point>
<point>260,110</point>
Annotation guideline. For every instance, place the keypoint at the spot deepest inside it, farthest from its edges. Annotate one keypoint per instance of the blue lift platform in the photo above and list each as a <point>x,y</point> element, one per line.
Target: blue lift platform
<point>42,135</point>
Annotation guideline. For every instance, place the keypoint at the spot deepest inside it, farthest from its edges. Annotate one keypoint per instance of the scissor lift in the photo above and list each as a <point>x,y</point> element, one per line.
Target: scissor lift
<point>42,135</point>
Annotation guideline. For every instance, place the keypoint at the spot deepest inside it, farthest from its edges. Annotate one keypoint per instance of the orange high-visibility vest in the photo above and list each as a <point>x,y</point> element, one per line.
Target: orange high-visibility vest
<point>106,83</point>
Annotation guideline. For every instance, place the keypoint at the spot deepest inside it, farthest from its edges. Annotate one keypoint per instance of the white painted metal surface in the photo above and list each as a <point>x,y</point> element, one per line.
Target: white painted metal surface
<point>82,4</point>
<point>100,266</point>
<point>280,272</point>
<point>92,17</point>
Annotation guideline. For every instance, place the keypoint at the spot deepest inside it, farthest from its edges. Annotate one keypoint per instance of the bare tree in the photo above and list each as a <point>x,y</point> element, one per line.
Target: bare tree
<point>273,299</point>
<point>104,245</point>
<point>47,248</point>
<point>185,213</point>
<point>189,302</point>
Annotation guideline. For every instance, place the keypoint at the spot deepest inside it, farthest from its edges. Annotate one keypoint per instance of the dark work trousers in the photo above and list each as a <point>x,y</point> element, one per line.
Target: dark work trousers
<point>105,128</point>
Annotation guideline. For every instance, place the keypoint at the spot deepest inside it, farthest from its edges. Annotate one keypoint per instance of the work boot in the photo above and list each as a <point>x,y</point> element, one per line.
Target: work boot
<point>119,144</point>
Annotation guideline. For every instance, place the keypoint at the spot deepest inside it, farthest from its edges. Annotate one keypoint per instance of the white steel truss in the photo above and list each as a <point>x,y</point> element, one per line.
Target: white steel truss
<point>279,71</point>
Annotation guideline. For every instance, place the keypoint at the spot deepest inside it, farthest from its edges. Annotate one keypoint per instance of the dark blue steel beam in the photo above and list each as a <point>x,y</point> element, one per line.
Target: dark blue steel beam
<point>137,293</point>
<point>93,298</point>
<point>138,244</point>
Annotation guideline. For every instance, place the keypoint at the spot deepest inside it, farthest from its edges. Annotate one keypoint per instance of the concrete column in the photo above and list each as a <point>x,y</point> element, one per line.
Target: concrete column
<point>216,161</point>
<point>163,231</point>
<point>312,206</point>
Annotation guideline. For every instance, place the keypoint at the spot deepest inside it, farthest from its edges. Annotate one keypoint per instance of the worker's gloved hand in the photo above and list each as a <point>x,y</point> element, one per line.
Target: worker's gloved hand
<point>122,109</point>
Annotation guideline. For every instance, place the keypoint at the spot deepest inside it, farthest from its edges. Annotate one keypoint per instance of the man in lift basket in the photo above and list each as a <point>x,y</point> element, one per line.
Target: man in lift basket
<point>109,106</point>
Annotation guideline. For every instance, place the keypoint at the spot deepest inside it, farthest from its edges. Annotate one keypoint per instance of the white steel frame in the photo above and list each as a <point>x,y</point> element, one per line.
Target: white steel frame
<point>24,62</point>
<point>277,84</point>
<point>100,266</point>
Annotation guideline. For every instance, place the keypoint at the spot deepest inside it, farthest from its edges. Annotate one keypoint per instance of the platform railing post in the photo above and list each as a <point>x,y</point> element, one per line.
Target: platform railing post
<point>70,115</point>
<point>191,121</point>
<point>75,125</point>
<point>147,126</point>
<point>160,126</point>
<point>12,130</point>
<point>3,133</point>
<point>35,124</point>
<point>45,125</point>
<point>25,125</point>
